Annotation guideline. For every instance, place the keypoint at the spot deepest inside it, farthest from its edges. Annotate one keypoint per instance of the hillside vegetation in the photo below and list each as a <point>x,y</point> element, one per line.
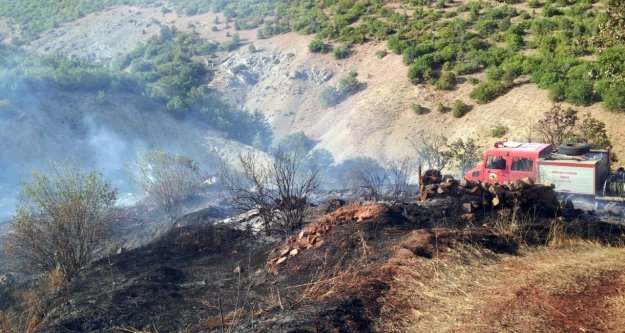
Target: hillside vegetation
<point>557,44</point>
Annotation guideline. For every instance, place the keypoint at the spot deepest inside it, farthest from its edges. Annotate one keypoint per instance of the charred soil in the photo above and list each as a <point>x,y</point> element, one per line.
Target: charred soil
<point>360,268</point>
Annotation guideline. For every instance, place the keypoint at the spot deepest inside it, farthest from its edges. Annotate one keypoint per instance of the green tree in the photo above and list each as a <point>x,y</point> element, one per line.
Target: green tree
<point>61,220</point>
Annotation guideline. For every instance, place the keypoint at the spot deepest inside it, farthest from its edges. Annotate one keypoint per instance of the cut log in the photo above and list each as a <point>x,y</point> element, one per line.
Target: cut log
<point>280,260</point>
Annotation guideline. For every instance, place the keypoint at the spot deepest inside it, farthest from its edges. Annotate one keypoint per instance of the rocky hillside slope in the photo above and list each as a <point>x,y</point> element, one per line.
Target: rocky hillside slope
<point>282,79</point>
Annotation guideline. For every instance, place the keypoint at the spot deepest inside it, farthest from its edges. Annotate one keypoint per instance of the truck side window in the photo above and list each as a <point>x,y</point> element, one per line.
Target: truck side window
<point>522,164</point>
<point>496,162</point>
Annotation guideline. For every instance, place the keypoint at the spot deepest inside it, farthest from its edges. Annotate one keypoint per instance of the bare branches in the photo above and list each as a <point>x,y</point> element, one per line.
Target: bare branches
<point>278,188</point>
<point>400,171</point>
<point>557,124</point>
<point>167,179</point>
<point>432,150</point>
<point>369,174</point>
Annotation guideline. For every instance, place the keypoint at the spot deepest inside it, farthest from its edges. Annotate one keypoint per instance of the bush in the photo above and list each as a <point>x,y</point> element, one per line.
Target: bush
<point>341,52</point>
<point>556,91</point>
<point>167,179</point>
<point>61,220</point>
<point>440,108</point>
<point>381,53</point>
<point>318,46</point>
<point>614,98</point>
<point>487,91</point>
<point>498,131</point>
<point>231,44</point>
<point>460,109</point>
<point>579,92</point>
<point>349,84</point>
<point>418,109</point>
<point>330,97</point>
<point>534,3</point>
<point>549,11</point>
<point>447,81</point>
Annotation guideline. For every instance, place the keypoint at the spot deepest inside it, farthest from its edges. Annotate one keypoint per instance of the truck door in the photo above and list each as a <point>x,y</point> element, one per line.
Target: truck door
<point>496,169</point>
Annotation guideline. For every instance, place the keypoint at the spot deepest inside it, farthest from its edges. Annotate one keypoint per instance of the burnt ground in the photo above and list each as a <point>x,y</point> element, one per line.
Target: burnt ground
<point>202,276</point>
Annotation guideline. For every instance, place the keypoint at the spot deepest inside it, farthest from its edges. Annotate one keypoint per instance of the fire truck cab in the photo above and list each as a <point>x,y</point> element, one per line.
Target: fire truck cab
<point>507,161</point>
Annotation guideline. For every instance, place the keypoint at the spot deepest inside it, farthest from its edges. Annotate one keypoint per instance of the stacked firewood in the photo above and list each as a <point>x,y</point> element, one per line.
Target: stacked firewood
<point>475,196</point>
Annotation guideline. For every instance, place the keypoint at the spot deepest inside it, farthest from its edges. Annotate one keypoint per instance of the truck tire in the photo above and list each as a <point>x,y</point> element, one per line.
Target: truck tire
<point>574,149</point>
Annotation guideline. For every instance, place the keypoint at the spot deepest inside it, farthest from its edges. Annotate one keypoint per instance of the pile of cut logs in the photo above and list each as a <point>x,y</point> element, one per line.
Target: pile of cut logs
<point>523,193</point>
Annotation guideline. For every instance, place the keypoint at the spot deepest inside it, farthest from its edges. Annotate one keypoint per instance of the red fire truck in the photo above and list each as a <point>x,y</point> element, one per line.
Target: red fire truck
<point>574,169</point>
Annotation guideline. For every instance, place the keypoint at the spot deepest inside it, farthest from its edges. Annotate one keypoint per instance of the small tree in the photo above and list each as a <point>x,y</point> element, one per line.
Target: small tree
<point>591,131</point>
<point>400,171</point>
<point>465,154</point>
<point>61,220</point>
<point>167,179</point>
<point>612,31</point>
<point>557,124</point>
<point>279,187</point>
<point>432,150</point>
<point>460,109</point>
<point>370,175</point>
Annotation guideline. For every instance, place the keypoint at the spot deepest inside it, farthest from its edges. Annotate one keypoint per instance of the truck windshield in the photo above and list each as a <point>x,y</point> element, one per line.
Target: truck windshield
<point>496,162</point>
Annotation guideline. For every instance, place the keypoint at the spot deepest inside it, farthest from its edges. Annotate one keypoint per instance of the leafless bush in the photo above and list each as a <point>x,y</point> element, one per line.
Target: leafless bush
<point>556,124</point>
<point>278,188</point>
<point>61,220</point>
<point>400,171</point>
<point>432,150</point>
<point>370,175</point>
<point>167,179</point>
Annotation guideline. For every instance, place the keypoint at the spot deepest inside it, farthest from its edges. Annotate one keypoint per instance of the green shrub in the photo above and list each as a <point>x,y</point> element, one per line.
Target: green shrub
<point>579,92</point>
<point>330,96</point>
<point>231,44</point>
<point>556,91</point>
<point>447,81</point>
<point>534,3</point>
<point>473,80</point>
<point>341,52</point>
<point>318,46</point>
<point>418,109</point>
<point>487,91</point>
<point>498,131</point>
<point>494,73</point>
<point>349,84</point>
<point>440,108</point>
<point>549,11</point>
<point>614,98</point>
<point>460,109</point>
<point>381,53</point>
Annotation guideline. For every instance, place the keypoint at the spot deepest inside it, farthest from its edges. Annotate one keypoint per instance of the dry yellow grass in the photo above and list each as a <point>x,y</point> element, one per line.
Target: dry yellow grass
<point>475,291</point>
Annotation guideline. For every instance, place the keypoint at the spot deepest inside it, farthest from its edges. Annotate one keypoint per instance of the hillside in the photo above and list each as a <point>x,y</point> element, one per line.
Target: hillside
<point>402,268</point>
<point>291,116</point>
<point>284,80</point>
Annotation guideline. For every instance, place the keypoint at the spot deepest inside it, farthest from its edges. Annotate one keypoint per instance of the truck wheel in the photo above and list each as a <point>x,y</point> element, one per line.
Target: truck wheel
<point>574,148</point>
